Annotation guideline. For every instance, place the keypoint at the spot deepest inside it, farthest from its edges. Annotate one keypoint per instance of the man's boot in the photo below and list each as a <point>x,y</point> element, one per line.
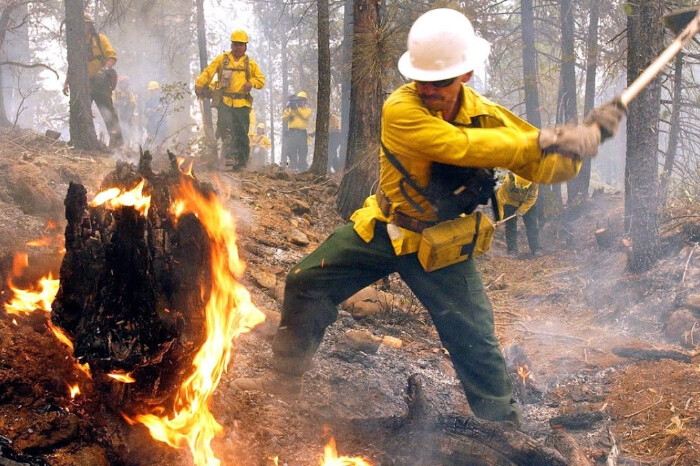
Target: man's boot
<point>273,382</point>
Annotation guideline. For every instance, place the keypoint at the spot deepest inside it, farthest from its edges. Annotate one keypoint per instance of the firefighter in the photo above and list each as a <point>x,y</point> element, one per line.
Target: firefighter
<point>259,147</point>
<point>296,116</point>
<point>125,105</point>
<point>103,79</point>
<point>237,74</point>
<point>334,162</point>
<point>517,196</point>
<point>435,118</point>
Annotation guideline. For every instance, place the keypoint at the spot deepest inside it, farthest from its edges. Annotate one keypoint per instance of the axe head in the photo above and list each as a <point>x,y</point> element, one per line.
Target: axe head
<point>679,19</point>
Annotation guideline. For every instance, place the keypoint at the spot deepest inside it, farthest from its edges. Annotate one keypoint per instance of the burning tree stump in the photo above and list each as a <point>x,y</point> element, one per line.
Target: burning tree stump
<point>133,286</point>
<point>423,438</point>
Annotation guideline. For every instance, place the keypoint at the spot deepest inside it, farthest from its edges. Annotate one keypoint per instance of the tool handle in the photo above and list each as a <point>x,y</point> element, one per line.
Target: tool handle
<point>662,60</point>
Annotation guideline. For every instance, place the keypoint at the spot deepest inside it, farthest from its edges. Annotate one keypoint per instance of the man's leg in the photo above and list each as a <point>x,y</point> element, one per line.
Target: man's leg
<point>224,126</point>
<point>533,234</point>
<point>303,151</point>
<point>340,267</point>
<point>104,103</point>
<point>455,298</point>
<point>511,228</point>
<point>241,141</point>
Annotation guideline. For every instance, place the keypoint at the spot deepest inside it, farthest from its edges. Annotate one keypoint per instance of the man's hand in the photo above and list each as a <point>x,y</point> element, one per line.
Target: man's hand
<point>202,92</point>
<point>607,117</point>
<point>247,86</point>
<point>66,88</point>
<point>579,140</point>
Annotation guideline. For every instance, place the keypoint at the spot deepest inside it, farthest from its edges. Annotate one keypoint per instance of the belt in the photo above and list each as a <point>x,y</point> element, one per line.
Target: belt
<point>400,219</point>
<point>238,95</point>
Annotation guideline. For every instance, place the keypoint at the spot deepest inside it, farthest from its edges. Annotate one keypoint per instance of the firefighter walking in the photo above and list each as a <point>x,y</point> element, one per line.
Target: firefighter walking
<point>237,74</point>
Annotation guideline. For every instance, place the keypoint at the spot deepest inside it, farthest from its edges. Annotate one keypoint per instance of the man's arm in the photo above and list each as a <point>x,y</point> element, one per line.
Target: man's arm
<point>207,75</point>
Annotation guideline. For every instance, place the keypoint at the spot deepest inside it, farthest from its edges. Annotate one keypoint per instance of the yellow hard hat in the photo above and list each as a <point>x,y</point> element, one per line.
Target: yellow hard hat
<point>521,183</point>
<point>239,35</point>
<point>261,126</point>
<point>153,85</point>
<point>302,95</point>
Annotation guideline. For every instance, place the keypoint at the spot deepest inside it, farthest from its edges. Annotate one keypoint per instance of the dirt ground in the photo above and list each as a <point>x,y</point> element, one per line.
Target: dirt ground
<point>566,309</point>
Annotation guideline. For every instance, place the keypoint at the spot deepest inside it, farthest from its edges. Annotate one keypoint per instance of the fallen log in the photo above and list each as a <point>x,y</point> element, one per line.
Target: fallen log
<point>423,438</point>
<point>133,286</point>
<point>651,354</point>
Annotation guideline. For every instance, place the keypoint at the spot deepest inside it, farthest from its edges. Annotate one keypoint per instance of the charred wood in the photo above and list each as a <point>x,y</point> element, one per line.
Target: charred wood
<point>653,354</point>
<point>130,295</point>
<point>424,438</point>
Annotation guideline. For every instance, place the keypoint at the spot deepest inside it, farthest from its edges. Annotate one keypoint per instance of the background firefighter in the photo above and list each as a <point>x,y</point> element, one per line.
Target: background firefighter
<point>296,117</point>
<point>430,120</point>
<point>517,196</point>
<point>103,79</point>
<point>237,74</point>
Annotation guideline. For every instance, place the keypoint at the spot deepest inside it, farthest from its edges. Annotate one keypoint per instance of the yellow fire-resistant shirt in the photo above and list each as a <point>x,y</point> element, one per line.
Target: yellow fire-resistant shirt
<point>417,137</point>
<point>260,140</point>
<point>517,192</point>
<point>238,78</point>
<point>100,53</point>
<point>297,118</point>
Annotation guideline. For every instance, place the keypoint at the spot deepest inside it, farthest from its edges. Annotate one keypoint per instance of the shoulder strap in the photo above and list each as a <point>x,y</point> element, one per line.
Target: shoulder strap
<point>246,64</point>
<point>407,179</point>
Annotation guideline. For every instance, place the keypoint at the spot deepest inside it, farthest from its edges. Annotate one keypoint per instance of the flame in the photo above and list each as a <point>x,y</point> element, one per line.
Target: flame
<point>188,170</point>
<point>229,313</point>
<point>122,377</point>
<point>50,238</point>
<point>331,457</point>
<point>116,197</point>
<point>524,372</point>
<point>29,300</point>
<point>74,390</point>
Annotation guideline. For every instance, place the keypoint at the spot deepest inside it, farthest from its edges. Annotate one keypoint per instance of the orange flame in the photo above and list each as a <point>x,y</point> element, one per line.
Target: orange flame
<point>50,238</point>
<point>331,457</point>
<point>229,313</point>
<point>122,377</point>
<point>29,300</point>
<point>116,197</point>
<point>524,373</point>
<point>74,391</point>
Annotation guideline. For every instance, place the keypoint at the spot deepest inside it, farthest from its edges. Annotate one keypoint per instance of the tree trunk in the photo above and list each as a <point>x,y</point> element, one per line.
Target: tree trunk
<point>208,121</point>
<point>362,165</point>
<point>566,110</point>
<point>323,103</point>
<point>530,80</point>
<point>645,39</point>
<point>5,17</point>
<point>347,81</point>
<point>582,183</point>
<point>674,128</point>
<point>82,130</point>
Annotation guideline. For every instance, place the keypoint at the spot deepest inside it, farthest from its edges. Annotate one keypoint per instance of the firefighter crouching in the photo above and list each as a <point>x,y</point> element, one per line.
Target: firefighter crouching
<point>517,196</point>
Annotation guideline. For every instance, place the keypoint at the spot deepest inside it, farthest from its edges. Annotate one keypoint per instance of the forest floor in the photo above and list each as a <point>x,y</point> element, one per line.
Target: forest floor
<point>566,309</point>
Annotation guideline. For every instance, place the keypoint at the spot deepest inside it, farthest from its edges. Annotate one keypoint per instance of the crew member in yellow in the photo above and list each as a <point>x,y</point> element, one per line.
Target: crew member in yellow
<point>434,119</point>
<point>296,116</point>
<point>259,147</point>
<point>334,162</point>
<point>103,79</point>
<point>517,197</point>
<point>237,74</point>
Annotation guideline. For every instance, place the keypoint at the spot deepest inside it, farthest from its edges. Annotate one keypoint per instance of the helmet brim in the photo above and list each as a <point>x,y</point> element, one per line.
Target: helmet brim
<point>478,53</point>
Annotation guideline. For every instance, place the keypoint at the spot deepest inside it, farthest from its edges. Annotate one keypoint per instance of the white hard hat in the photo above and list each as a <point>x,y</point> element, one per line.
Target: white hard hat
<point>442,45</point>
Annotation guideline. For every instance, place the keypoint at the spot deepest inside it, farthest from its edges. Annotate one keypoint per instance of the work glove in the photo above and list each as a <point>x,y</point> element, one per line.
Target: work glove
<point>199,91</point>
<point>572,140</point>
<point>607,117</point>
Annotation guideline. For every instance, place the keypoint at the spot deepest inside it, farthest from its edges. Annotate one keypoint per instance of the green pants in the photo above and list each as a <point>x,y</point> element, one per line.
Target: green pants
<point>454,296</point>
<point>233,124</point>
